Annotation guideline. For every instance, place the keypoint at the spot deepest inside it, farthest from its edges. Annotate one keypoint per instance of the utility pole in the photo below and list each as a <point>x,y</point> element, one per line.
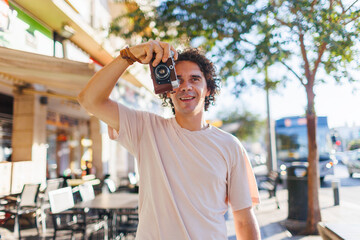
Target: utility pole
<point>271,162</point>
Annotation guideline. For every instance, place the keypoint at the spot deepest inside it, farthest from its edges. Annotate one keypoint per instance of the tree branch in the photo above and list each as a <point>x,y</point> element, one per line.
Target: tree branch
<point>351,5</point>
<point>272,3</point>
<point>292,70</point>
<point>283,22</point>
<point>312,5</point>
<point>351,20</point>
<point>330,8</point>
<point>342,6</point>
<point>304,56</point>
<point>345,10</point>
<point>318,60</point>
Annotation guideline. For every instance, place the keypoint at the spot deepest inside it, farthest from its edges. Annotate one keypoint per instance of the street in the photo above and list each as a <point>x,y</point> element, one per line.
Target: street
<point>349,187</point>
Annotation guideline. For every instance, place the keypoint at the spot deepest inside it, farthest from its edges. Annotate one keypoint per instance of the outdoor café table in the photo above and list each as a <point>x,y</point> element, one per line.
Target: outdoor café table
<point>112,203</point>
<point>77,182</point>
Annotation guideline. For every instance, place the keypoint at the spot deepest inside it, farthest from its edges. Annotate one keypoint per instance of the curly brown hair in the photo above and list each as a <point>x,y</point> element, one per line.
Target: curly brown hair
<point>206,67</point>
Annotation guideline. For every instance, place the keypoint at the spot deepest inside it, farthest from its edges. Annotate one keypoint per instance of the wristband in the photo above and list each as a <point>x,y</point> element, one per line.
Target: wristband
<point>128,56</point>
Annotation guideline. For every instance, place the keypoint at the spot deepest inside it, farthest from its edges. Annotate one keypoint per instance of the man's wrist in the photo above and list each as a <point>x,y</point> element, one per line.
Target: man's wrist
<point>128,56</point>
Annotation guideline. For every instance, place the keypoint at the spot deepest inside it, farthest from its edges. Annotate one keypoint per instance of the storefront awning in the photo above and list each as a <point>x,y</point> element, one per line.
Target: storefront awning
<point>56,74</point>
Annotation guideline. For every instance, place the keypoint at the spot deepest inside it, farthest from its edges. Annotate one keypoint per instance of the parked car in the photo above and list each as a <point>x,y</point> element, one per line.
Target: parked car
<point>352,162</point>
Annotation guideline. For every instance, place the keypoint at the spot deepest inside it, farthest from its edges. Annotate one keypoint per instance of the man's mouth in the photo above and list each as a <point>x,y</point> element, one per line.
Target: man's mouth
<point>186,98</point>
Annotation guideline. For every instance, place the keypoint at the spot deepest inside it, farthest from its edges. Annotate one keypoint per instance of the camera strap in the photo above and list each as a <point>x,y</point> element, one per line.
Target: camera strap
<point>130,58</point>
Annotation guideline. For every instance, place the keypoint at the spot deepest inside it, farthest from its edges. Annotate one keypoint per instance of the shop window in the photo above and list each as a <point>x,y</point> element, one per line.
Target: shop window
<point>6,122</point>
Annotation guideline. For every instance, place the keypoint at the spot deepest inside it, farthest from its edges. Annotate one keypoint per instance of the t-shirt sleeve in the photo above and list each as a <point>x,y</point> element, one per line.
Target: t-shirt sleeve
<point>242,187</point>
<point>130,128</point>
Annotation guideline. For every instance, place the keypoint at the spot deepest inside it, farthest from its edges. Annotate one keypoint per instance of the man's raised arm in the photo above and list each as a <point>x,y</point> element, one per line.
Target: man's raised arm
<point>95,96</point>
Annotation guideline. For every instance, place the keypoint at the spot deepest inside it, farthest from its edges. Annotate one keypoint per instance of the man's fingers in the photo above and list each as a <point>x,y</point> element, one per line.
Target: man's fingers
<point>166,48</point>
<point>148,53</point>
<point>159,51</point>
<point>167,51</point>
<point>175,52</point>
<point>149,56</point>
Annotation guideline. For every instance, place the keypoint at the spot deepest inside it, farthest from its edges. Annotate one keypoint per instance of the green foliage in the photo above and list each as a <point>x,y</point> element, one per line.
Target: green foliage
<point>330,32</point>
<point>251,126</point>
<point>217,25</point>
<point>253,34</point>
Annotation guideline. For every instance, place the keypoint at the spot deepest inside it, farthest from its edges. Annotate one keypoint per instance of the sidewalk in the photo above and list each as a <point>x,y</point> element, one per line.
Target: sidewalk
<point>272,220</point>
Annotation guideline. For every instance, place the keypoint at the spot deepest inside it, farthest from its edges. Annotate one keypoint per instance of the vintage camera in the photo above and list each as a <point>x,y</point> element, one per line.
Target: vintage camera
<point>164,75</point>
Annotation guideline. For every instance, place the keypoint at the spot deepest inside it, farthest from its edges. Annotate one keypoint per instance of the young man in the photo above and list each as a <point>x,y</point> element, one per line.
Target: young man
<point>189,170</point>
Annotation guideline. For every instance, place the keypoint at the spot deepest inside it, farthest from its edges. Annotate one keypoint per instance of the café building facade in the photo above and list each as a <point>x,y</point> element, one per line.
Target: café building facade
<point>48,52</point>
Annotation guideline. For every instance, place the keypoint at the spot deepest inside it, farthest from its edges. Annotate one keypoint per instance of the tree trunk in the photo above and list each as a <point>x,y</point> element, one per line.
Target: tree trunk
<point>314,215</point>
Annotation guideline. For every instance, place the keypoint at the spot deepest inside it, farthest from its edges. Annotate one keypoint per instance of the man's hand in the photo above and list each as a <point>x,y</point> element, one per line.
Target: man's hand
<point>145,52</point>
<point>246,225</point>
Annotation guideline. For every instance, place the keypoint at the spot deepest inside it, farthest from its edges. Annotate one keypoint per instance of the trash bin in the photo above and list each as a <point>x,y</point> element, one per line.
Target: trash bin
<point>297,184</point>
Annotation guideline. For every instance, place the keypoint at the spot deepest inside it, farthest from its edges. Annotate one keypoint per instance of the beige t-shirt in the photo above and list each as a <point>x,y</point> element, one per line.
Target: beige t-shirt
<point>186,176</point>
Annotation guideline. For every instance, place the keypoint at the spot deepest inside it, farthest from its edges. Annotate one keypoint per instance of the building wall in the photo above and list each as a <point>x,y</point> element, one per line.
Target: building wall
<point>28,139</point>
<point>48,136</point>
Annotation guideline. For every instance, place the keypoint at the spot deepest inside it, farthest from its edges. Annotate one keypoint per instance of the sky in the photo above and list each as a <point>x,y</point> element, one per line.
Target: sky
<point>337,102</point>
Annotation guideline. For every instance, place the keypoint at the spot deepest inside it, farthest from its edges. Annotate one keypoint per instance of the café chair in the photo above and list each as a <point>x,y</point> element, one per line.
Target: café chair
<point>25,204</point>
<point>270,184</point>
<point>130,186</point>
<point>110,185</point>
<point>127,223</point>
<point>51,184</point>
<point>98,188</point>
<point>65,218</point>
<point>86,192</point>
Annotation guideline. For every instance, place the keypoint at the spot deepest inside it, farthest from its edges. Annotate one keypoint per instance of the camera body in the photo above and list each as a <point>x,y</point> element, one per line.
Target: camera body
<point>164,76</point>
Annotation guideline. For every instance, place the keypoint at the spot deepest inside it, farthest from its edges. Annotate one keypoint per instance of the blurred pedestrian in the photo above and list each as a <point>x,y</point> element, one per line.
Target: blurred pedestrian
<point>189,170</point>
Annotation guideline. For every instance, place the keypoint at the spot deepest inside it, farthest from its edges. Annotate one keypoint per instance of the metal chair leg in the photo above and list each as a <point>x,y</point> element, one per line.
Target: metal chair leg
<point>17,226</point>
<point>106,230</point>
<point>43,220</point>
<point>37,224</point>
<point>72,237</point>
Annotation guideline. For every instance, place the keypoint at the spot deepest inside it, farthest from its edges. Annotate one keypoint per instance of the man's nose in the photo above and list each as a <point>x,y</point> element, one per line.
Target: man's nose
<point>185,86</point>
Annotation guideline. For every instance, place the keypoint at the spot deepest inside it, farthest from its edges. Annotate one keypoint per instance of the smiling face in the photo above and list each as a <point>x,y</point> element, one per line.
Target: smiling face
<point>189,98</point>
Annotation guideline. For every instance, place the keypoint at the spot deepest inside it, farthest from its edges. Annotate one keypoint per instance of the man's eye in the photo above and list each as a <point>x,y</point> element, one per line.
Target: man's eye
<point>196,79</point>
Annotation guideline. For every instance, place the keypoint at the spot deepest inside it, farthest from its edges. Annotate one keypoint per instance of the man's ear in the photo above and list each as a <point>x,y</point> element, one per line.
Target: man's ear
<point>208,92</point>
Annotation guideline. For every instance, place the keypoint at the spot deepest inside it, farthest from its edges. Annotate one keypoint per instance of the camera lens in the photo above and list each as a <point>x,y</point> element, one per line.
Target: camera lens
<point>162,72</point>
